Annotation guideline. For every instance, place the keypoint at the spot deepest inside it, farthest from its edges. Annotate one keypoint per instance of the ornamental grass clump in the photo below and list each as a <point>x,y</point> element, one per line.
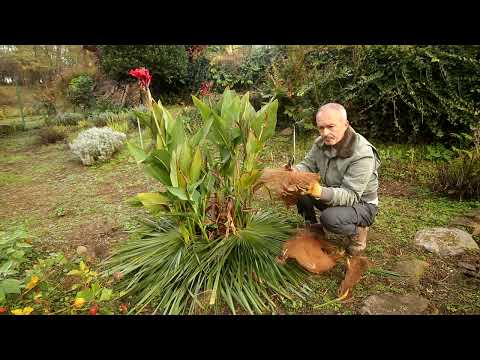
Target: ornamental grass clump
<point>205,239</point>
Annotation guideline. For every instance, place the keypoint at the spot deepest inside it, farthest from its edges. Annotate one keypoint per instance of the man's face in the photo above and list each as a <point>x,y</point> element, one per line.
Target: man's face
<point>331,126</point>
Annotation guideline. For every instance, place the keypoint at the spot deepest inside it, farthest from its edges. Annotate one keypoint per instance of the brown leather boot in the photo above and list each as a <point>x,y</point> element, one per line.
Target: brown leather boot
<point>358,242</point>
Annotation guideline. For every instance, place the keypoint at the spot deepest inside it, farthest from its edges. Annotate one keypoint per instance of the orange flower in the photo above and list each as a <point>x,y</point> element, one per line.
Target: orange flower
<point>2,309</point>
<point>33,282</point>
<point>79,302</point>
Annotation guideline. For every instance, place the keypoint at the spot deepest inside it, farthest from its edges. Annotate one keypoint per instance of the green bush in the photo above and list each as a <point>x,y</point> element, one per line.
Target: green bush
<point>399,93</point>
<point>168,65</point>
<point>65,119</point>
<point>247,73</point>
<point>79,91</point>
<point>461,177</point>
<point>100,119</point>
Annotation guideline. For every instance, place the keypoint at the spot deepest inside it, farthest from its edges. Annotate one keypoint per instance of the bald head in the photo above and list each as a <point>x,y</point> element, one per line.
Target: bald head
<point>333,109</point>
<point>332,122</point>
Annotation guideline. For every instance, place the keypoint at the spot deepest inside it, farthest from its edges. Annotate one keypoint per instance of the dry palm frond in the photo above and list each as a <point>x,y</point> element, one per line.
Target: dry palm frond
<point>286,184</point>
<point>311,251</point>
<point>356,267</point>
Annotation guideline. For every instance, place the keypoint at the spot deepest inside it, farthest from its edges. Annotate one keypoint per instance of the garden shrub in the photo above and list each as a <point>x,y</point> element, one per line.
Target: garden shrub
<point>97,145</point>
<point>65,119</point>
<point>167,63</point>
<point>100,119</point>
<point>79,91</point>
<point>461,177</point>
<point>51,135</point>
<point>244,74</point>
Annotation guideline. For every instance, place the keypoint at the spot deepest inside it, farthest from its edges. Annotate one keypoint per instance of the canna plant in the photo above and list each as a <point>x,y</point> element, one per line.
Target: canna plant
<point>205,243</point>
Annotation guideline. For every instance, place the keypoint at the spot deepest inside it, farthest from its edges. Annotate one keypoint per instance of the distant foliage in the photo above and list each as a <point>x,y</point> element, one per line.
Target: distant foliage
<point>65,119</point>
<point>80,91</point>
<point>97,145</point>
<point>167,63</point>
<point>399,93</point>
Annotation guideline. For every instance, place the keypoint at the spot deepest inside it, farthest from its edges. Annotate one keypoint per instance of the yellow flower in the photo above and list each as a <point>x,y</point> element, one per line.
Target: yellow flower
<point>79,302</point>
<point>25,311</point>
<point>33,282</point>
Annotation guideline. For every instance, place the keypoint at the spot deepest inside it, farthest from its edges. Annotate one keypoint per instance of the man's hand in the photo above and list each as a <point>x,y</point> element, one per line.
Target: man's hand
<point>314,190</point>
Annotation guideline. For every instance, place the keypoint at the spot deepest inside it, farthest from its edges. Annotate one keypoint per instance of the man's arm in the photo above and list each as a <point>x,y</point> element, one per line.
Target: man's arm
<point>353,185</point>
<point>308,164</point>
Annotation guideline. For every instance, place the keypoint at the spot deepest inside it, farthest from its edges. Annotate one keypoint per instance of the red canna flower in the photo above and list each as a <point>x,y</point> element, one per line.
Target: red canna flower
<point>205,88</point>
<point>93,310</point>
<point>2,309</point>
<point>142,75</point>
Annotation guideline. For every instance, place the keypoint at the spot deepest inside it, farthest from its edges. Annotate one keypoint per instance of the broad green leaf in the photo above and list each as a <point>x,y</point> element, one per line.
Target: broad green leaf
<point>153,201</point>
<point>106,295</point>
<point>137,153</point>
<point>204,109</point>
<point>176,133</point>
<point>196,167</point>
<point>173,169</point>
<point>10,286</point>
<point>159,157</point>
<point>271,121</point>
<point>158,120</point>
<point>2,296</point>
<point>157,173</point>
<point>196,197</point>
<point>168,120</point>
<point>85,294</point>
<point>185,159</point>
<point>179,193</point>
<point>201,135</point>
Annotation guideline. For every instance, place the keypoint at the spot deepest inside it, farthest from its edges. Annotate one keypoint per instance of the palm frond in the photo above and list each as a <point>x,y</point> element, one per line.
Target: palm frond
<point>240,270</point>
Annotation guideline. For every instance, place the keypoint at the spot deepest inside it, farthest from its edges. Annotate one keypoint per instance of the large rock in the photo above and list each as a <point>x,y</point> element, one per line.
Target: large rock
<point>413,269</point>
<point>390,304</point>
<point>445,241</point>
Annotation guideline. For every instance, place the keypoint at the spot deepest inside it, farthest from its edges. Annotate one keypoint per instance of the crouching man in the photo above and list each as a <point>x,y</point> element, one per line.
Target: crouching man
<point>347,164</point>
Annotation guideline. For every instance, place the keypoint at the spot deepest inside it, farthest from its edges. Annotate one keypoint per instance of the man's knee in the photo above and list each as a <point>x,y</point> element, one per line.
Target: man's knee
<point>337,220</point>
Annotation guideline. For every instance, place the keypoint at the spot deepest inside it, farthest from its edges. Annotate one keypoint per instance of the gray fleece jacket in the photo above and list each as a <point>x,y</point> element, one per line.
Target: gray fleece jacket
<point>348,169</point>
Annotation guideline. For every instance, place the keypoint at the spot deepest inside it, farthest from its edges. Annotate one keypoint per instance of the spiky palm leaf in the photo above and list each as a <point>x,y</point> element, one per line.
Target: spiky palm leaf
<point>165,273</point>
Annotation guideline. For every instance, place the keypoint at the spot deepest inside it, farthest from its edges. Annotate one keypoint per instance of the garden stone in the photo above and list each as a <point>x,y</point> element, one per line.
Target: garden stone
<point>286,132</point>
<point>413,269</point>
<point>445,241</point>
<point>391,304</point>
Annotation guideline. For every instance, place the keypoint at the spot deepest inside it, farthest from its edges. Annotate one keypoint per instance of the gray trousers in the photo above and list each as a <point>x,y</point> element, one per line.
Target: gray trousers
<point>337,219</point>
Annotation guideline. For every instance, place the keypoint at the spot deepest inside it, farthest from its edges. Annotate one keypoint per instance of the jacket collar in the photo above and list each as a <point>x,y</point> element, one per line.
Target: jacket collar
<point>343,149</point>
